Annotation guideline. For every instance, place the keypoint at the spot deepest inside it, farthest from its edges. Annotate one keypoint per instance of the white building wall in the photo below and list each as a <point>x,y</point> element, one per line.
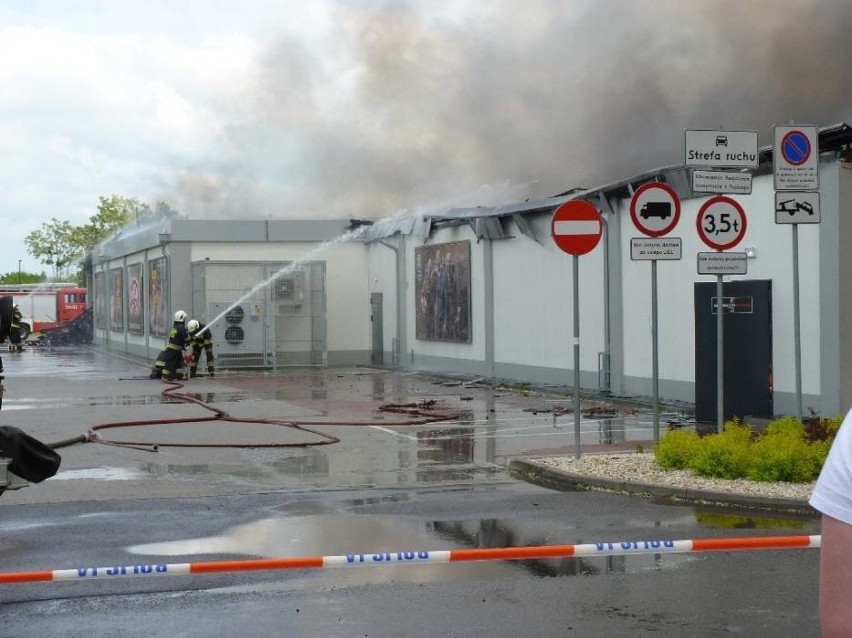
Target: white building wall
<point>534,302</point>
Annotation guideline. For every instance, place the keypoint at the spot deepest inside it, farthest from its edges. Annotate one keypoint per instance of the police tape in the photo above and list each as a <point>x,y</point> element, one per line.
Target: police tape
<point>419,557</point>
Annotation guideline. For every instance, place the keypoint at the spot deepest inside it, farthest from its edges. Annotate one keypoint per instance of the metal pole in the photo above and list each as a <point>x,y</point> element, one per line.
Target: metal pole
<point>607,388</point>
<point>797,328</point>
<point>655,368</point>
<point>720,357</point>
<point>576,357</point>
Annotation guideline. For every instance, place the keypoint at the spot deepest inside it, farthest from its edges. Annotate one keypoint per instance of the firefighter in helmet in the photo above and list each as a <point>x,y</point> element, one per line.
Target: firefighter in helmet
<point>15,330</point>
<point>178,341</point>
<point>159,364</point>
<point>200,339</point>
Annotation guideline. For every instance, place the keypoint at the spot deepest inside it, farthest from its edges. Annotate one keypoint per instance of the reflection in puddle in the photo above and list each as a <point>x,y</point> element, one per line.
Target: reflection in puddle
<point>338,534</point>
<point>100,474</point>
<point>720,520</point>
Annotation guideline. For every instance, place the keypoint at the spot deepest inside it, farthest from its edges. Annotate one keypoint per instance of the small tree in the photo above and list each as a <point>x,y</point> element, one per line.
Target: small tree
<point>22,277</point>
<point>54,245</point>
<point>60,244</point>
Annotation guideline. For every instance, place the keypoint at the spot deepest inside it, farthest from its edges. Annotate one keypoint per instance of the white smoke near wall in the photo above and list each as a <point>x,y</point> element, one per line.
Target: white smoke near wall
<point>490,102</point>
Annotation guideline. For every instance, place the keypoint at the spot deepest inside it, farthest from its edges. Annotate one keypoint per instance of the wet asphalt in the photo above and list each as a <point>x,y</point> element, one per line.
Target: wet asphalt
<point>444,430</point>
<point>307,462</point>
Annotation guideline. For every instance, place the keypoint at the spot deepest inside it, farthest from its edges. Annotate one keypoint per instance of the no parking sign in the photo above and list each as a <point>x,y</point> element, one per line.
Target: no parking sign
<point>796,158</point>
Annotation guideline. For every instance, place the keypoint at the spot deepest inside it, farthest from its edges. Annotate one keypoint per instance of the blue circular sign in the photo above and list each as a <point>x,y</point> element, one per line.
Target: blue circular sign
<point>796,148</point>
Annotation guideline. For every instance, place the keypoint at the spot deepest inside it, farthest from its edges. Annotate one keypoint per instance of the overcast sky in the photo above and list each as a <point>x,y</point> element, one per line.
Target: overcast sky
<point>362,108</point>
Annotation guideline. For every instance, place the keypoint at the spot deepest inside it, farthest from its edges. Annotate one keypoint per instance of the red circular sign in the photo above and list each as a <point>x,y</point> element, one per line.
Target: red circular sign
<point>576,227</point>
<point>655,209</point>
<point>721,222</point>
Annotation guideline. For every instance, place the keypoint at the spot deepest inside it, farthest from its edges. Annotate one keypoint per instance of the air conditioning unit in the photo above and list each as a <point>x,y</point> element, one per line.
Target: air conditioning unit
<point>289,290</point>
<point>243,337</point>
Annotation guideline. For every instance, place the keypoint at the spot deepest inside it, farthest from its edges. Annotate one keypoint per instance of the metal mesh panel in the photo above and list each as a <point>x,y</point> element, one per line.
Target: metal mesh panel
<point>262,314</point>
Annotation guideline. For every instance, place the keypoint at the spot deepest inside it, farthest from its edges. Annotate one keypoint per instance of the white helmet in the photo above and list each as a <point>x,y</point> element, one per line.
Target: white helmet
<point>180,316</point>
<point>192,325</point>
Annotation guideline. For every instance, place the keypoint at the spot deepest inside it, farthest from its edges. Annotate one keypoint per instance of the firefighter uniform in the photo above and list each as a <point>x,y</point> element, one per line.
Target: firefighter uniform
<point>15,330</point>
<point>159,364</point>
<point>201,339</point>
<point>178,341</point>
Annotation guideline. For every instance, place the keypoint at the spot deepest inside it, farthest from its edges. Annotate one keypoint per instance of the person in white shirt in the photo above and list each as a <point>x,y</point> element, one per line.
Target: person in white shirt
<point>832,496</point>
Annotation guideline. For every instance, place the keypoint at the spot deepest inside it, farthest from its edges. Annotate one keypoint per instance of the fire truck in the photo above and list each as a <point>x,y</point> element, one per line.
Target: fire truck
<point>46,306</point>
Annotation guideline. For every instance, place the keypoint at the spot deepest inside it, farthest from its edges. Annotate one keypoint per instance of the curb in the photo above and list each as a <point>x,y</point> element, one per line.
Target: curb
<point>564,481</point>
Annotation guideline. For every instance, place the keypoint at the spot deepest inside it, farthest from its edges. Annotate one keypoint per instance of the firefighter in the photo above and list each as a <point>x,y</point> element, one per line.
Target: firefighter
<point>15,330</point>
<point>200,338</point>
<point>159,364</point>
<point>178,341</point>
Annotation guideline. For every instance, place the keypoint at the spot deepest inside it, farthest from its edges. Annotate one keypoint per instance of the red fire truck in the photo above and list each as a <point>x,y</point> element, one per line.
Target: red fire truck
<point>46,306</point>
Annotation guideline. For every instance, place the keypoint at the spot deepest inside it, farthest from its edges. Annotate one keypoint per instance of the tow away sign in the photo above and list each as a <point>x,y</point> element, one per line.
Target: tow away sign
<point>721,149</point>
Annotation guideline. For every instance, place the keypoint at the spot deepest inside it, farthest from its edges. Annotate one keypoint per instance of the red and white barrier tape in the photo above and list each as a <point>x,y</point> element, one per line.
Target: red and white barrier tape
<point>419,558</point>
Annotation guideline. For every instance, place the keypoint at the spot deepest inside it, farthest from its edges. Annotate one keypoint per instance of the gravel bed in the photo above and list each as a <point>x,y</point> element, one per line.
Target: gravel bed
<point>642,468</point>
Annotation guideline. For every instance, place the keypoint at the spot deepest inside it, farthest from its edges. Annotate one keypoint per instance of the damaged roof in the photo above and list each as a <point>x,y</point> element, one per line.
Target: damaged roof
<point>484,220</point>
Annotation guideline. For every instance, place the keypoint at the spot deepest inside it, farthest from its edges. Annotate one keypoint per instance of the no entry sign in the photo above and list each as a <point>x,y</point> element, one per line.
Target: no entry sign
<point>576,227</point>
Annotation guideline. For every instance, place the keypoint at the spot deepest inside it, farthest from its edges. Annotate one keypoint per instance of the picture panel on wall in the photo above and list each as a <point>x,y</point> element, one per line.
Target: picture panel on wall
<point>442,292</point>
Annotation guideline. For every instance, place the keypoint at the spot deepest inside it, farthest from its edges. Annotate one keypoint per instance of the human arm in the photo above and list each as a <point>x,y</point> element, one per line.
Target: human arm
<point>835,578</point>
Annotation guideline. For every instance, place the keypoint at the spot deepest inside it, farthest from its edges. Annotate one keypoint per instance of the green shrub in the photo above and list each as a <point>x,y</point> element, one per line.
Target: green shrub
<point>787,451</point>
<point>786,426</point>
<point>724,455</point>
<point>782,457</point>
<point>676,449</point>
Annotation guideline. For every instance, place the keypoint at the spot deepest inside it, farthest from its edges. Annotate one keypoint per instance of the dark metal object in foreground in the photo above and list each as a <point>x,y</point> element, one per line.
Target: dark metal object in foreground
<point>25,458</point>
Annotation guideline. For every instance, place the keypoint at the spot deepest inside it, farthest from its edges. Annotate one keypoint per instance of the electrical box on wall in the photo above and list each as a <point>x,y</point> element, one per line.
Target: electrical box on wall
<point>289,290</point>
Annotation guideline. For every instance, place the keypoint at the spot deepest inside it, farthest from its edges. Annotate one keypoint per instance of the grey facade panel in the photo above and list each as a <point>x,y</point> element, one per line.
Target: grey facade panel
<point>218,230</point>
<point>306,230</point>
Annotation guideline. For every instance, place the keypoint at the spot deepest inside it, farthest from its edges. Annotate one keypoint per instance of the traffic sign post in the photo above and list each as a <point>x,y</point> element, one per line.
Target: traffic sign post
<point>576,227</point>
<point>721,225</point>
<point>722,149</point>
<point>655,211</point>
<point>721,182</point>
<point>796,167</point>
<point>721,222</point>
<point>797,208</point>
<point>796,158</point>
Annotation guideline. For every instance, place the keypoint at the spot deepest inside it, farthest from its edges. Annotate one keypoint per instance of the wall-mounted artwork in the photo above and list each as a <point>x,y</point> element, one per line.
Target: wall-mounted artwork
<point>116,300</point>
<point>135,305</point>
<point>442,289</point>
<point>158,323</point>
<point>100,300</point>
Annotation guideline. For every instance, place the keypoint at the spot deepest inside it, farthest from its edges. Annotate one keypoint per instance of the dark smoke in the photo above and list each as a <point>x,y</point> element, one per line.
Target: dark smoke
<point>402,105</point>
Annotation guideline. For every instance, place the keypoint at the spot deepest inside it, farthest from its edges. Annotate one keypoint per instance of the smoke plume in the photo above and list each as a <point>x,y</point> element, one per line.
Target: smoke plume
<point>410,102</point>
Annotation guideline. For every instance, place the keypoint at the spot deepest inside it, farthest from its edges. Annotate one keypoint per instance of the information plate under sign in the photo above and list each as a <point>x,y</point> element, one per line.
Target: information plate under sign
<point>721,149</point>
<point>722,263</point>
<point>792,207</point>
<point>723,182</point>
<point>796,158</point>
<point>647,248</point>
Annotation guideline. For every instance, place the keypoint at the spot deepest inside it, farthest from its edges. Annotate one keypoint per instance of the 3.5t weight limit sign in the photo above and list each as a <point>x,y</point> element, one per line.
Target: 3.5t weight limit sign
<point>721,223</point>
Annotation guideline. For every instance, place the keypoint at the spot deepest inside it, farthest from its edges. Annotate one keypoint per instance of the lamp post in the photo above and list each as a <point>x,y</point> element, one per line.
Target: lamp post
<point>19,272</point>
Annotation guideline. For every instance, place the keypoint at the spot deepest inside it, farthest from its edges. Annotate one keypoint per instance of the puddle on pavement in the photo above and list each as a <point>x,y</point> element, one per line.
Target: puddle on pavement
<point>724,520</point>
<point>100,474</point>
<point>341,535</point>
